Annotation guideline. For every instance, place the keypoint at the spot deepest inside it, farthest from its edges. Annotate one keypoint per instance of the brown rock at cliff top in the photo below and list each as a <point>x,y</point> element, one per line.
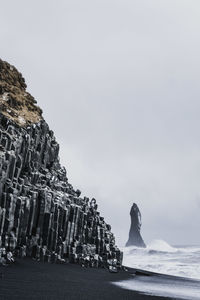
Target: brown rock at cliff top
<point>15,102</point>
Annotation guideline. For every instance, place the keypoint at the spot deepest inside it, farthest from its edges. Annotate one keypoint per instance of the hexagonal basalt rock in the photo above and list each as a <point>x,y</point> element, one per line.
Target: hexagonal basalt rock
<point>41,215</point>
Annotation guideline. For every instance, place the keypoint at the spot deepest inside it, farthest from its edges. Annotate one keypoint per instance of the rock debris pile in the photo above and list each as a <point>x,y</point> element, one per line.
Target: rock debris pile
<point>41,215</point>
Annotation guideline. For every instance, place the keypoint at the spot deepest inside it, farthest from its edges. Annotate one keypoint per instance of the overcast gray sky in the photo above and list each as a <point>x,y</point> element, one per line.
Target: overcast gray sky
<point>118,81</point>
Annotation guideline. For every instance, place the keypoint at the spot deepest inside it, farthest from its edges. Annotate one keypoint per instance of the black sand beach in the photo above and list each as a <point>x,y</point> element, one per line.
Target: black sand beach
<point>28,279</point>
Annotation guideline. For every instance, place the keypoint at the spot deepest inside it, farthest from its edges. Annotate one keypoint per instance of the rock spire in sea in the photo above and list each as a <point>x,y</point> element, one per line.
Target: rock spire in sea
<point>41,215</point>
<point>135,238</point>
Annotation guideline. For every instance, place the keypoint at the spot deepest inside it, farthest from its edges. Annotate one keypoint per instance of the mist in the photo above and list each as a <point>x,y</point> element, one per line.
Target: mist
<point>118,82</point>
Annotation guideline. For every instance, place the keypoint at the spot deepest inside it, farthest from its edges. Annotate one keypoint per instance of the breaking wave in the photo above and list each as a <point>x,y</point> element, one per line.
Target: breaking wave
<point>161,246</point>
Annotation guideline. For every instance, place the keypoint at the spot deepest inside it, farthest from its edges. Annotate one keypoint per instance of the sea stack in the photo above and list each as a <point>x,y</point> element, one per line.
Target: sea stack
<point>135,238</point>
<point>41,215</point>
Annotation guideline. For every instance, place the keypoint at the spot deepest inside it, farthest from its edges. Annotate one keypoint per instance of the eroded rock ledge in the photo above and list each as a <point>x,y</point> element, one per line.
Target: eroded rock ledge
<point>41,215</point>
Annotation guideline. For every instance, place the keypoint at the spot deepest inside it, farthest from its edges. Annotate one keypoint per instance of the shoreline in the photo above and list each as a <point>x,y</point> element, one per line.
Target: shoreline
<point>29,279</point>
<point>163,285</point>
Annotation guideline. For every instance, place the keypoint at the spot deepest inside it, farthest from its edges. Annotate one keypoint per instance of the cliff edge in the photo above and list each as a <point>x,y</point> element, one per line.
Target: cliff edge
<point>41,215</point>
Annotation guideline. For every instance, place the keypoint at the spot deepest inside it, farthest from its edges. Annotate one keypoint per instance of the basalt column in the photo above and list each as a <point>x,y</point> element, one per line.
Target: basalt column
<point>41,215</point>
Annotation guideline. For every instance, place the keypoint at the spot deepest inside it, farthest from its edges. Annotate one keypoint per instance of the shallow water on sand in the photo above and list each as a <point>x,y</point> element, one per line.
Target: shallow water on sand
<point>165,287</point>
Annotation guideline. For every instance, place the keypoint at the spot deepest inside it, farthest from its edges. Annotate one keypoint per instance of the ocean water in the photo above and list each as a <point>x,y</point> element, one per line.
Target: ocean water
<point>165,287</point>
<point>182,262</point>
<point>160,257</point>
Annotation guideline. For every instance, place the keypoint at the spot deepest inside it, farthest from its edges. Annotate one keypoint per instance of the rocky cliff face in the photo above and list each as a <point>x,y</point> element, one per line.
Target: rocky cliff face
<point>135,238</point>
<point>41,215</point>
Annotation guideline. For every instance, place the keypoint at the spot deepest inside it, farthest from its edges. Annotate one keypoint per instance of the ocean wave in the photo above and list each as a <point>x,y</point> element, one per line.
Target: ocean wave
<point>161,246</point>
<point>160,257</point>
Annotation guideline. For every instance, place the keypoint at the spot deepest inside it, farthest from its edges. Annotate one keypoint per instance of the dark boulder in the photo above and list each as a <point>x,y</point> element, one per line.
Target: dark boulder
<point>135,238</point>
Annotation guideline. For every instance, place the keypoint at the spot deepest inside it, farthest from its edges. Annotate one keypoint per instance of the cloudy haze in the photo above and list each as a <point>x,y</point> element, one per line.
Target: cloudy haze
<point>119,84</point>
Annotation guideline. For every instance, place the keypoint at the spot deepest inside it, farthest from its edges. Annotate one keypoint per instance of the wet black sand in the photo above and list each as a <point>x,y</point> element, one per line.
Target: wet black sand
<point>28,279</point>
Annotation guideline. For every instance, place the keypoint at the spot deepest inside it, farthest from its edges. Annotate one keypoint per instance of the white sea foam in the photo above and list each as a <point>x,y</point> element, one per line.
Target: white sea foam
<point>160,257</point>
<point>161,246</point>
<point>179,289</point>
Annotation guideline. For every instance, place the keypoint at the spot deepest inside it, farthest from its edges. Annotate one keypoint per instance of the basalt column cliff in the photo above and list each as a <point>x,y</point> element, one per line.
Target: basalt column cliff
<point>41,215</point>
